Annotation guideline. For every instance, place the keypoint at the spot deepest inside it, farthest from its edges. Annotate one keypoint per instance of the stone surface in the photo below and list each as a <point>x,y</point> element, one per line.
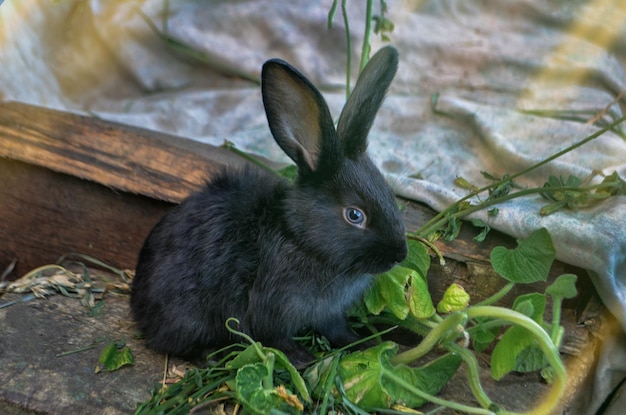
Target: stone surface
<point>37,376</point>
<point>39,373</point>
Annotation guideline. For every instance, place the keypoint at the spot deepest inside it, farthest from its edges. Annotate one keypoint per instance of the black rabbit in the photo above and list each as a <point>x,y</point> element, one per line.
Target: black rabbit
<point>279,257</point>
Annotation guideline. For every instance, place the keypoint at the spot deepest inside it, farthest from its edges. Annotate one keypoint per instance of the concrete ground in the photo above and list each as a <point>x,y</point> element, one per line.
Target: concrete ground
<point>49,349</point>
<point>39,375</point>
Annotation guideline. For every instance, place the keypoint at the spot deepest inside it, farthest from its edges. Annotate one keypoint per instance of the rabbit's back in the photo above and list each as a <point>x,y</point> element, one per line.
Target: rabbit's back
<point>198,263</point>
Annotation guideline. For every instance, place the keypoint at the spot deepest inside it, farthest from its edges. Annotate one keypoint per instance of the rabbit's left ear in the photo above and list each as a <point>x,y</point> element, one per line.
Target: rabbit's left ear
<point>298,116</point>
<point>358,115</point>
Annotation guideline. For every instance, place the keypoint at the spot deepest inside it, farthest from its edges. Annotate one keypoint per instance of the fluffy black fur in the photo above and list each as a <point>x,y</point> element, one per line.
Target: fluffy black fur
<point>278,256</point>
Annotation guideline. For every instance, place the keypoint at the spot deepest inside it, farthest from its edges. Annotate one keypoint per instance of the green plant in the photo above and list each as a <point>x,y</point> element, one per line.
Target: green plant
<point>382,26</point>
<point>458,323</point>
<point>572,193</point>
<point>380,378</point>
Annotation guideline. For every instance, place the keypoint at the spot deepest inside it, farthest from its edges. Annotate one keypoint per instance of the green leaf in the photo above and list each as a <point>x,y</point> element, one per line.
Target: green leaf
<point>529,262</point>
<point>530,359</point>
<point>489,176</point>
<point>361,374</point>
<point>453,228</point>
<point>556,182</point>
<point>463,183</point>
<point>251,356</point>
<point>479,223</point>
<point>430,378</point>
<point>418,297</point>
<point>417,257</point>
<point>526,308</point>
<point>400,290</point>
<point>113,358</point>
<point>259,400</point>
<point>290,172</point>
<point>247,356</point>
<point>501,188</point>
<point>563,287</point>
<point>382,24</point>
<point>455,298</point>
<point>620,185</point>
<point>548,374</point>
<point>531,305</point>
<point>453,225</point>
<point>365,382</point>
<point>282,361</point>
<point>504,355</point>
<point>316,375</point>
<point>517,349</point>
<point>388,291</point>
<point>482,335</point>
<point>359,310</point>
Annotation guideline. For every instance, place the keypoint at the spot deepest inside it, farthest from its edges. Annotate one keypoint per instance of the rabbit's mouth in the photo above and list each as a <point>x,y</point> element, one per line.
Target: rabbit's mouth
<point>393,255</point>
<point>386,266</point>
<point>382,260</point>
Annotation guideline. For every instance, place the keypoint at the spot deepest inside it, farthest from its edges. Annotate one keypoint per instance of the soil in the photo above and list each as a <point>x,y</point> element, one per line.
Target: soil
<point>38,375</point>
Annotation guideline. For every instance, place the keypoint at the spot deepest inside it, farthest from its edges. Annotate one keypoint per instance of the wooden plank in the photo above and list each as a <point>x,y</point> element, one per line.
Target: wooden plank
<point>44,215</point>
<point>131,159</point>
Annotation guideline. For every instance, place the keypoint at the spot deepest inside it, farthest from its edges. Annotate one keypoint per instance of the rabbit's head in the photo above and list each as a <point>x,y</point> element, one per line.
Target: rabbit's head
<point>341,208</point>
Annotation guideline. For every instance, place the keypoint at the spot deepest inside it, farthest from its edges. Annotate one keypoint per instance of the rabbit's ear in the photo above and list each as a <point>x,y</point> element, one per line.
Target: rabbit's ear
<point>359,112</point>
<point>297,114</point>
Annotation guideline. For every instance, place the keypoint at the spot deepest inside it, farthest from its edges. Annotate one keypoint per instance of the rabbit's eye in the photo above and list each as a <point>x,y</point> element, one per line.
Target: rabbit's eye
<point>354,217</point>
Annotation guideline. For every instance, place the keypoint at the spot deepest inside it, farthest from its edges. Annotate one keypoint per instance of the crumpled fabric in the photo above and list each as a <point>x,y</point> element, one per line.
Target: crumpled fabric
<point>482,86</point>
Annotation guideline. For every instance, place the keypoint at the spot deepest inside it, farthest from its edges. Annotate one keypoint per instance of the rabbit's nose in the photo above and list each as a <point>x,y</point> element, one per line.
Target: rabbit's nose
<point>400,252</point>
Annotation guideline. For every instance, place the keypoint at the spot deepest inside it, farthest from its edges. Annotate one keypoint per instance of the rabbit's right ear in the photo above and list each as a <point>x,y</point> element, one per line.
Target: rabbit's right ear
<point>298,116</point>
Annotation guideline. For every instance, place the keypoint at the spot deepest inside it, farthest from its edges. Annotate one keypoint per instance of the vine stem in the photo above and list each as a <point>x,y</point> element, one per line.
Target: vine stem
<point>255,345</point>
<point>230,146</point>
<point>441,218</point>
<point>544,341</point>
<point>344,13</point>
<point>346,23</point>
<point>473,374</point>
<point>328,384</point>
<point>430,245</point>
<point>268,381</point>
<point>557,330</point>
<point>430,398</point>
<point>435,222</point>
<point>365,50</point>
<point>448,324</point>
<point>497,296</point>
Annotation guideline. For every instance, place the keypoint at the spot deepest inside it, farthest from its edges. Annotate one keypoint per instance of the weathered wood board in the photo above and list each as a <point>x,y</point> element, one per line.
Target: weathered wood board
<point>71,183</point>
